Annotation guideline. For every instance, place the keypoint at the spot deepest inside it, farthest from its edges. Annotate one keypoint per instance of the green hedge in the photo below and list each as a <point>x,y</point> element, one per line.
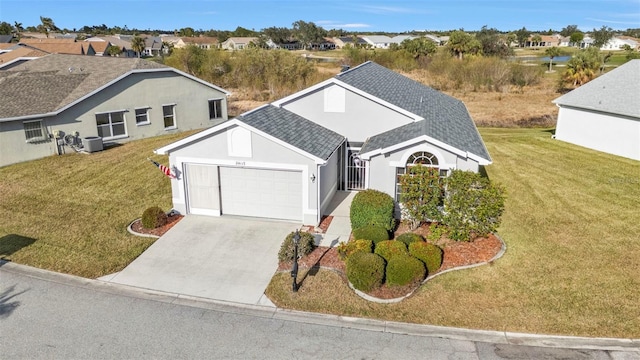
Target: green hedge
<point>365,271</point>
<point>153,217</point>
<point>409,238</point>
<point>374,233</point>
<point>349,248</point>
<point>390,248</point>
<point>403,270</point>
<point>306,245</point>
<point>429,254</point>
<point>473,205</point>
<point>372,207</point>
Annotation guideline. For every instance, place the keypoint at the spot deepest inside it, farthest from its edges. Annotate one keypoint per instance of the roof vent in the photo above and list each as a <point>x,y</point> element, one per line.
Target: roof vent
<point>70,69</point>
<point>345,68</point>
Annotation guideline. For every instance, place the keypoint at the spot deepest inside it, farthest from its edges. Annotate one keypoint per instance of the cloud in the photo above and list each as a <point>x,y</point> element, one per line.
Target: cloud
<point>384,10</point>
<point>615,22</point>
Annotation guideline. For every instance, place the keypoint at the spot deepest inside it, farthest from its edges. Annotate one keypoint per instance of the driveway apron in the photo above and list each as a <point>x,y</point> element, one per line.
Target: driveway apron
<point>222,258</point>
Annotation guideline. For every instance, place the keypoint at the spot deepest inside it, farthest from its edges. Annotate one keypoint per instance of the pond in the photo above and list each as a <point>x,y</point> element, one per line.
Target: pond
<point>543,59</point>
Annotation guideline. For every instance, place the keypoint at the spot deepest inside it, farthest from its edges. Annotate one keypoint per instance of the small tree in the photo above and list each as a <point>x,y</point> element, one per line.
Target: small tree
<point>114,50</point>
<point>421,194</point>
<point>138,45</point>
<point>473,205</point>
<point>551,53</point>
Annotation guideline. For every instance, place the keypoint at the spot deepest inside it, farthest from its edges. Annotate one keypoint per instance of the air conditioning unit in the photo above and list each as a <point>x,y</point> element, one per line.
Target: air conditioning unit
<point>92,144</point>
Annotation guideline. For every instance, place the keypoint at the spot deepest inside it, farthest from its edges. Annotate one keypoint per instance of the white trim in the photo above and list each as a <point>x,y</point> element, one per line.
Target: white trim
<point>175,117</point>
<point>428,139</point>
<point>333,81</point>
<point>221,99</point>
<point>146,113</point>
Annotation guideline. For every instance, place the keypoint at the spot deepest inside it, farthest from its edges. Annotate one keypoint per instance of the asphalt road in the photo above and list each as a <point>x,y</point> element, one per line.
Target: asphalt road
<point>44,316</point>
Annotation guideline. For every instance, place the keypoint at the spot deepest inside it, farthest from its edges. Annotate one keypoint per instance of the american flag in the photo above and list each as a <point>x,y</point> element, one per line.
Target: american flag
<point>163,168</point>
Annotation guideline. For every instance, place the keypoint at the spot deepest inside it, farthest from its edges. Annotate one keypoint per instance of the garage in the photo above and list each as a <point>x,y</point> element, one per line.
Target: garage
<point>264,193</point>
<point>275,194</point>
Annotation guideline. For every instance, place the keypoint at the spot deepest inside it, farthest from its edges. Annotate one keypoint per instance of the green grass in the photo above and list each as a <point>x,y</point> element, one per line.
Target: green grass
<point>571,226</point>
<point>572,264</point>
<point>69,213</point>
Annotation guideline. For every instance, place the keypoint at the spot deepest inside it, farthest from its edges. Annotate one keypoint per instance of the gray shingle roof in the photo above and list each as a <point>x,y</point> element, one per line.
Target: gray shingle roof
<point>445,118</point>
<point>616,92</point>
<point>54,81</point>
<point>294,129</point>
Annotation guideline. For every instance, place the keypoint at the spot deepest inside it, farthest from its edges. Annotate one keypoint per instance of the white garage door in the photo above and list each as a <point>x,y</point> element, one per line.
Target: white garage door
<point>275,194</point>
<point>203,192</point>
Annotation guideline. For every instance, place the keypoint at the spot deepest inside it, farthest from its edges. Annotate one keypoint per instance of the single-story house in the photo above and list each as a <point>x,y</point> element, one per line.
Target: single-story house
<point>358,130</point>
<point>238,43</point>
<point>604,114</point>
<point>116,99</point>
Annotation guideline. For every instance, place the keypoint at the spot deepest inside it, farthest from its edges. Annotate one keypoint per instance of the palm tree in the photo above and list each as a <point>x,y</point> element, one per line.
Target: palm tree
<point>138,45</point>
<point>47,25</point>
<point>17,28</point>
<point>582,68</point>
<point>551,53</point>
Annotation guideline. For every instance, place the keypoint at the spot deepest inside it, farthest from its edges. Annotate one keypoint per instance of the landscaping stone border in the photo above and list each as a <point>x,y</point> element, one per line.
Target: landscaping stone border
<point>130,230</point>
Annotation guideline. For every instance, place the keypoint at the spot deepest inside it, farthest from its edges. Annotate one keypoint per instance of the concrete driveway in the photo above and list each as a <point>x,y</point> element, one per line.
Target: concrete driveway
<point>223,258</point>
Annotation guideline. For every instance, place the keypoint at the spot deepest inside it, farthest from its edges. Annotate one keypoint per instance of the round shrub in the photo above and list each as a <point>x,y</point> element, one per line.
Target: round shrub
<point>372,207</point>
<point>429,254</point>
<point>409,238</point>
<point>349,248</point>
<point>305,246</point>
<point>153,217</point>
<point>374,233</point>
<point>403,270</point>
<point>365,271</point>
<point>391,248</point>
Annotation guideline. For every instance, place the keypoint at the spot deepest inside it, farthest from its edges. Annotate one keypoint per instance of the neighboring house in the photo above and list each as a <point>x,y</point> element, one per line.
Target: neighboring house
<point>5,39</point>
<point>123,44</point>
<point>238,43</point>
<point>616,43</point>
<point>60,46</point>
<point>100,47</point>
<point>203,42</point>
<point>117,99</point>
<point>604,114</point>
<point>349,40</point>
<point>153,46</point>
<point>18,54</point>
<point>358,130</point>
<point>545,41</point>
<point>378,41</point>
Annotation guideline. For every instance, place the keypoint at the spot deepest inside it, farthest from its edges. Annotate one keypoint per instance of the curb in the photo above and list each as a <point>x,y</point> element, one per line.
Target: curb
<point>496,337</point>
<point>130,230</point>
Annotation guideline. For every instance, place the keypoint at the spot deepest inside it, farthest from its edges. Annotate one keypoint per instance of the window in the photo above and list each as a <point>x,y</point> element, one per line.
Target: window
<point>420,158</point>
<point>142,116</point>
<point>34,131</point>
<point>215,109</point>
<point>169,115</point>
<point>111,125</point>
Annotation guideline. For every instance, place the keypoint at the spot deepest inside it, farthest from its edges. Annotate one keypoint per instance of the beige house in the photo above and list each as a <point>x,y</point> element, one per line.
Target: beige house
<point>203,42</point>
<point>111,99</point>
<point>238,43</point>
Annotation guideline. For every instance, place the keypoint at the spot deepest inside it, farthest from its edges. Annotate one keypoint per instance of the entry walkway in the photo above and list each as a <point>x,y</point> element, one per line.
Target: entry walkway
<point>340,228</point>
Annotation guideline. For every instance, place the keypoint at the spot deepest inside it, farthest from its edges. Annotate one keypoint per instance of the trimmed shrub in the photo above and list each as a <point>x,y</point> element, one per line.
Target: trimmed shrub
<point>403,270</point>
<point>390,248</point>
<point>305,246</point>
<point>371,232</point>
<point>436,231</point>
<point>409,238</point>
<point>372,207</point>
<point>473,205</point>
<point>429,254</point>
<point>349,248</point>
<point>365,271</point>
<point>421,196</point>
<point>153,217</point>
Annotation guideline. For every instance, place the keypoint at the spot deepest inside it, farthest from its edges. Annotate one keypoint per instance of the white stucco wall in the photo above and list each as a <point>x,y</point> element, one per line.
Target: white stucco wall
<point>360,119</point>
<point>611,134</point>
<point>265,154</point>
<point>328,181</point>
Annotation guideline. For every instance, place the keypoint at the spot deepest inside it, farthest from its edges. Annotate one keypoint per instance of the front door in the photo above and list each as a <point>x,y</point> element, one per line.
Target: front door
<point>356,170</point>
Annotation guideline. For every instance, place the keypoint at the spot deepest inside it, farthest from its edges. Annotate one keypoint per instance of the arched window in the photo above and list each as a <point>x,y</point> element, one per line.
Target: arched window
<point>420,158</point>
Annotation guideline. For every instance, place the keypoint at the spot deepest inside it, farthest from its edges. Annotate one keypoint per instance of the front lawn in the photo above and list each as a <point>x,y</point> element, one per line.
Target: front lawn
<point>572,264</point>
<point>69,213</point>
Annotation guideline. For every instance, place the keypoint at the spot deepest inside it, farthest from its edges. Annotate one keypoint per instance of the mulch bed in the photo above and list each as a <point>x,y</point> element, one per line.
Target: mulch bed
<point>136,226</point>
<point>455,254</point>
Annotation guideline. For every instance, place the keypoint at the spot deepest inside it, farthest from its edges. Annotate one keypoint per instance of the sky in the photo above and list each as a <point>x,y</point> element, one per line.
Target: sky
<point>393,16</point>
